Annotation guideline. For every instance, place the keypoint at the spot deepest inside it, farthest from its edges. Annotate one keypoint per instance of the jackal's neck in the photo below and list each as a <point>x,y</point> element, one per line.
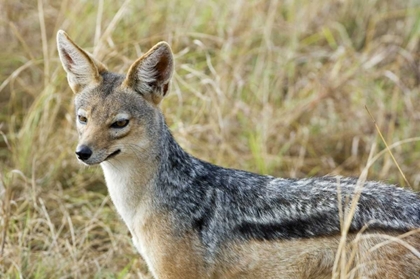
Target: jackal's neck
<point>173,160</point>
<point>130,178</point>
<point>179,172</point>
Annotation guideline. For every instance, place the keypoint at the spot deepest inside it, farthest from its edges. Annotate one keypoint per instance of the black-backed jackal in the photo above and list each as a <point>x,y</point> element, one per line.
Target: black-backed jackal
<point>192,219</point>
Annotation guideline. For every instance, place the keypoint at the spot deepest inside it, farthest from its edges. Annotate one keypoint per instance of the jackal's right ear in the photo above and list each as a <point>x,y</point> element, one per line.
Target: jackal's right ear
<point>82,69</point>
<point>150,74</point>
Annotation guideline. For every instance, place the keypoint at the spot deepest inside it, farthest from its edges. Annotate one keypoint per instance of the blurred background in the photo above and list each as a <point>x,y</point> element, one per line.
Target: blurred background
<point>276,87</point>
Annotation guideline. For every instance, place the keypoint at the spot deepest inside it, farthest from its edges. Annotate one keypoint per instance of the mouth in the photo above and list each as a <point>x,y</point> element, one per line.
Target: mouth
<point>113,154</point>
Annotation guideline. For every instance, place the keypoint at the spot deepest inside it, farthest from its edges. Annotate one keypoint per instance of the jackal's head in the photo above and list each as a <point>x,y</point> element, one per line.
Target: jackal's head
<point>117,115</point>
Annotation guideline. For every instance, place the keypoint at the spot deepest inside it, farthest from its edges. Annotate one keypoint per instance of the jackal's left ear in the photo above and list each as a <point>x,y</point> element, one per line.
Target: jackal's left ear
<point>150,74</point>
<point>82,69</point>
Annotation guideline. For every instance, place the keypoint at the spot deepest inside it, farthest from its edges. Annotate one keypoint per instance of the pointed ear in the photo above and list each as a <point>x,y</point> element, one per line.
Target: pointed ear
<point>82,69</point>
<point>150,74</point>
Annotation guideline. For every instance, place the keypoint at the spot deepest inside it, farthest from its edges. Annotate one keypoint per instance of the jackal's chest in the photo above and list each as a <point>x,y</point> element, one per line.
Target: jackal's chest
<point>167,253</point>
<point>126,191</point>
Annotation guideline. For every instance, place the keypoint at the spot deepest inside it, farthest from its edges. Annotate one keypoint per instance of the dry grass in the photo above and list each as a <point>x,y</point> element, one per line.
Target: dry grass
<point>275,87</point>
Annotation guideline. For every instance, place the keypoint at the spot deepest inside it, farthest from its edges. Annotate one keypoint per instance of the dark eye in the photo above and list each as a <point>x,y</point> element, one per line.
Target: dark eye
<point>120,123</point>
<point>82,119</point>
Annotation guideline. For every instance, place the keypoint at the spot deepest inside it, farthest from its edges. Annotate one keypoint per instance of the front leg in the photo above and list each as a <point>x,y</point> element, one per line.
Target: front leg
<point>170,255</point>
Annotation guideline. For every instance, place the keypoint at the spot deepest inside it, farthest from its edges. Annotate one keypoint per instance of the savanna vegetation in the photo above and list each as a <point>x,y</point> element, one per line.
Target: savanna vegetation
<point>288,88</point>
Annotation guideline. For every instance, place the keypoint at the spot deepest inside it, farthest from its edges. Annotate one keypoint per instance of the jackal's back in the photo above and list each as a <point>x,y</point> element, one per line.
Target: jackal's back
<point>226,204</point>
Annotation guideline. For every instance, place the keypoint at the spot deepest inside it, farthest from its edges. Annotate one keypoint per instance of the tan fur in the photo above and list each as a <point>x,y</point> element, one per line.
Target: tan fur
<point>314,258</point>
<point>169,255</point>
<point>179,257</point>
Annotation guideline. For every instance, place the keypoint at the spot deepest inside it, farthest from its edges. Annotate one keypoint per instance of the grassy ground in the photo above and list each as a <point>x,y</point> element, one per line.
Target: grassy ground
<point>277,87</point>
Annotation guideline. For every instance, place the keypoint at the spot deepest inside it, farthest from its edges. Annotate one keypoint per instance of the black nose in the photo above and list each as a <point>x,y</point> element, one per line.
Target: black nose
<point>83,152</point>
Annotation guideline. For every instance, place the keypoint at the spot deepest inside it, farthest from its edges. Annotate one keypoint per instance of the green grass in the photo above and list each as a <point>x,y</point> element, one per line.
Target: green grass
<point>277,87</point>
